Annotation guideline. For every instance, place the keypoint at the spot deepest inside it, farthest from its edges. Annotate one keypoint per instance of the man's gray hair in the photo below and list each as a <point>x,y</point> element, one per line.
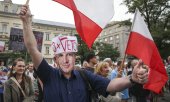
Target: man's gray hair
<point>107,59</point>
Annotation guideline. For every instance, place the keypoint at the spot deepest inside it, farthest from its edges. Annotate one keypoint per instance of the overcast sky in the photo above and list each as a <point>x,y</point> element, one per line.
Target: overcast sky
<point>53,11</point>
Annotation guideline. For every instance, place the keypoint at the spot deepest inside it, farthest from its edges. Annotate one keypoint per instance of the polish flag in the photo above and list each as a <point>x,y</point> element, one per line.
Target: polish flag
<point>141,45</point>
<point>2,45</point>
<point>90,17</point>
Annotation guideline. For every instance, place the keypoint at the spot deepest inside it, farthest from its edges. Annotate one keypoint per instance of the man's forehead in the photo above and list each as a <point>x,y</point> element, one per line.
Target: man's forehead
<point>20,63</point>
<point>65,53</point>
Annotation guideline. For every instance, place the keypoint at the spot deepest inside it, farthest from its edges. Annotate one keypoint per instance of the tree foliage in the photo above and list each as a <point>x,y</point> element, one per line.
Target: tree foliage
<point>157,16</point>
<point>103,50</point>
<point>9,57</point>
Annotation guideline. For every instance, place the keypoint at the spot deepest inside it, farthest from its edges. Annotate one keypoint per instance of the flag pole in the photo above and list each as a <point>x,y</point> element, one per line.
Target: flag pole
<point>27,2</point>
<point>134,18</point>
<point>122,64</point>
<point>120,69</point>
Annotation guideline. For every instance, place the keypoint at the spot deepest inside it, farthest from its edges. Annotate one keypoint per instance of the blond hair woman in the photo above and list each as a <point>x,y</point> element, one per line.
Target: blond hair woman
<point>103,69</point>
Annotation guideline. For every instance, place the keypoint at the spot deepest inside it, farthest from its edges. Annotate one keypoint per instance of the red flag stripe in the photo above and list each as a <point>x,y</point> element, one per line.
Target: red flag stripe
<point>145,49</point>
<point>90,28</point>
<point>89,24</point>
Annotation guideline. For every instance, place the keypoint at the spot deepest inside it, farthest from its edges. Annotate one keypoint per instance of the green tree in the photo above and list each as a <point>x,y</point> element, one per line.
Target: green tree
<point>157,16</point>
<point>9,57</point>
<point>103,50</point>
<point>82,49</point>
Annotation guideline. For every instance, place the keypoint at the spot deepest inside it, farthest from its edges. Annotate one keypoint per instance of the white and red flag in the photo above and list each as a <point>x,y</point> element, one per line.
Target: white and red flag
<point>141,45</point>
<point>2,46</point>
<point>90,17</point>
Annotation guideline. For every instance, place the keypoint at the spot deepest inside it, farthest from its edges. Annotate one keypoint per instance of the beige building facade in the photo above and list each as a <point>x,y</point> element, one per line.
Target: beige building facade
<point>117,34</point>
<point>9,19</point>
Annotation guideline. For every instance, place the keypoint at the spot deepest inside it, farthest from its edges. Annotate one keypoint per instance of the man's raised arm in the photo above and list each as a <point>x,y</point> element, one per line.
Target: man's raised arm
<point>29,38</point>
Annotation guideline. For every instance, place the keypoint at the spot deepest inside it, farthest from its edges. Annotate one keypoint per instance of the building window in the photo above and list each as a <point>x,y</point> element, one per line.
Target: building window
<point>117,45</point>
<point>111,38</point>
<point>16,25</point>
<point>104,33</point>
<point>115,29</point>
<point>105,39</point>
<point>47,36</point>
<point>117,36</point>
<point>47,50</point>
<point>6,8</point>
<point>110,31</point>
<point>4,28</point>
<point>60,34</point>
<point>54,34</point>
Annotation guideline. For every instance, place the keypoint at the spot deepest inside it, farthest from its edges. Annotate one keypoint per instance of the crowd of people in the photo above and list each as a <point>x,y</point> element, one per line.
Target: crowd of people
<point>27,87</point>
<point>96,81</point>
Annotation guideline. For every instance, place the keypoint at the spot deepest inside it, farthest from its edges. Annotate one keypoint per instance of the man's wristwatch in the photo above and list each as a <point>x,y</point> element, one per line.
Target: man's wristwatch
<point>131,80</point>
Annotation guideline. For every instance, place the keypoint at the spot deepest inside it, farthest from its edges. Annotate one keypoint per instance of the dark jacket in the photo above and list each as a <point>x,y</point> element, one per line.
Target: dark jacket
<point>138,91</point>
<point>12,91</point>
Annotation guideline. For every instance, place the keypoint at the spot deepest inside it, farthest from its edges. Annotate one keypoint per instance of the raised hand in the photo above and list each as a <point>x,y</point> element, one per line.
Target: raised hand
<point>25,13</point>
<point>140,73</point>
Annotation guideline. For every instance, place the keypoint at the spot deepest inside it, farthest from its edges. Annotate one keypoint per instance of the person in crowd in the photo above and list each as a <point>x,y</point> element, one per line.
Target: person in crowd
<point>168,72</point>
<point>18,88</point>
<point>103,69</point>
<point>36,83</point>
<point>140,94</point>
<point>85,64</point>
<point>64,84</point>
<point>54,62</point>
<point>3,78</point>
<point>168,60</point>
<point>30,70</point>
<point>38,89</point>
<point>1,63</point>
<point>124,95</point>
<point>77,67</point>
<point>129,68</point>
<point>92,61</point>
<point>109,60</point>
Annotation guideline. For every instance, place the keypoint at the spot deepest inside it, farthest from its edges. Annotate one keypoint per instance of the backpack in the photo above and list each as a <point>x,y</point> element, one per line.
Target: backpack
<point>93,96</point>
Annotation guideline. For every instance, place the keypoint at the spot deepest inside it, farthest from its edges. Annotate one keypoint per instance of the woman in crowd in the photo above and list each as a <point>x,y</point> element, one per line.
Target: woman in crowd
<point>103,69</point>
<point>19,87</point>
<point>119,72</point>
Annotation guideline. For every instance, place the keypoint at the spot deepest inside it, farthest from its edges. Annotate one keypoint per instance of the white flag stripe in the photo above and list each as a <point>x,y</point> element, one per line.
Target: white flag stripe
<point>140,26</point>
<point>96,10</point>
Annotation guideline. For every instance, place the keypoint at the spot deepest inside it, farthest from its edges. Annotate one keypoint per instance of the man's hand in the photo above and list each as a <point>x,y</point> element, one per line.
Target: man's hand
<point>140,73</point>
<point>25,14</point>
